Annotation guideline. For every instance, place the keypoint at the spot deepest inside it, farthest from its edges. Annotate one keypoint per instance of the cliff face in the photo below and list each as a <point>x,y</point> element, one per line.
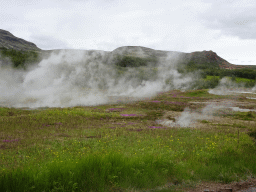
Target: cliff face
<point>9,41</point>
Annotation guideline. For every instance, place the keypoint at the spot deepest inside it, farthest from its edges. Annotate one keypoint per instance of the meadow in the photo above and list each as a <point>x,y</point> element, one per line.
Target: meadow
<point>120,147</point>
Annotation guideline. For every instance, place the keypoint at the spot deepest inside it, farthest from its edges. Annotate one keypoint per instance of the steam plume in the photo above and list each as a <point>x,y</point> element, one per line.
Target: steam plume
<point>72,78</point>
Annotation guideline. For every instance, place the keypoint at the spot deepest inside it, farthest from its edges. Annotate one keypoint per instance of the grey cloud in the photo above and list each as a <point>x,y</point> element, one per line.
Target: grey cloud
<point>7,17</point>
<point>17,3</point>
<point>47,42</point>
<point>231,17</point>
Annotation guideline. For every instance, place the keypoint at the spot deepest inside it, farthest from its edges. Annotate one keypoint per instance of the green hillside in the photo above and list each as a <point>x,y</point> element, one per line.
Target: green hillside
<point>19,59</point>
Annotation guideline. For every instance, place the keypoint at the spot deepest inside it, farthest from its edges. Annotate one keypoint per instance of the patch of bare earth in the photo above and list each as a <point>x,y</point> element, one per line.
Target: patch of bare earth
<point>242,186</point>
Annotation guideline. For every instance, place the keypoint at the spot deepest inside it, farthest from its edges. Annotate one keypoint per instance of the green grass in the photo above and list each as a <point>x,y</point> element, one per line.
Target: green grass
<point>98,149</point>
<point>249,116</point>
<point>239,80</point>
<point>198,93</point>
<point>208,77</point>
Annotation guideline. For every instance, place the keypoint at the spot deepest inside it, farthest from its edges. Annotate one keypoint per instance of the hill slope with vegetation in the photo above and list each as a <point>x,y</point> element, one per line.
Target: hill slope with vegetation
<point>9,41</point>
<point>211,67</point>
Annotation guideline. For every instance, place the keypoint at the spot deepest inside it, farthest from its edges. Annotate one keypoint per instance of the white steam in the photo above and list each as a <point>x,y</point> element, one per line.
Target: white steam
<point>228,87</point>
<point>82,78</point>
<point>189,118</point>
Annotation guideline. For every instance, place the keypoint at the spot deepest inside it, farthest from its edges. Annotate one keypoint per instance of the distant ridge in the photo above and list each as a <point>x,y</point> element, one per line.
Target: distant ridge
<point>211,56</point>
<point>197,57</point>
<point>9,41</point>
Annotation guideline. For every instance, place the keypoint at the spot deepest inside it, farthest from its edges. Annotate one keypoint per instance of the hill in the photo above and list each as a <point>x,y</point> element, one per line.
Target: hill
<point>131,54</point>
<point>9,41</point>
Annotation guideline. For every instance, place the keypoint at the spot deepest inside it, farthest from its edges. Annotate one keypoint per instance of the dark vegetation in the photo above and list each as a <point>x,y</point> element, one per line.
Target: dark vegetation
<point>20,59</point>
<point>192,66</point>
<point>131,61</point>
<point>216,73</point>
<point>243,73</point>
<point>213,69</point>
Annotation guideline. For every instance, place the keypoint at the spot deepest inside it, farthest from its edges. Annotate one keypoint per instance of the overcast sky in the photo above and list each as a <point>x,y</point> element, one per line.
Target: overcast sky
<point>227,27</point>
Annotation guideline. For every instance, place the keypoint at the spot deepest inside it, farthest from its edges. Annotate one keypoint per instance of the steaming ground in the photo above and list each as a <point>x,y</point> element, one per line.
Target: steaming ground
<point>189,118</point>
<point>82,78</point>
<point>227,87</point>
<point>213,111</point>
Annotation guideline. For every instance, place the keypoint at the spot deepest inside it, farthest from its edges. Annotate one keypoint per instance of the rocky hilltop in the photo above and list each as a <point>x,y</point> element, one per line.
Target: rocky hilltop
<point>9,41</point>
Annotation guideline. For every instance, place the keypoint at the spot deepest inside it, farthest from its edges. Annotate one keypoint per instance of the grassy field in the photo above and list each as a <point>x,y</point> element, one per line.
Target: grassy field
<point>119,147</point>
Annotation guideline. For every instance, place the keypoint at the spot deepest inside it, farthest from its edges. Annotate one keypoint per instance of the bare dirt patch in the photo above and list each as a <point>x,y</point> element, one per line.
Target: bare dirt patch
<point>242,186</point>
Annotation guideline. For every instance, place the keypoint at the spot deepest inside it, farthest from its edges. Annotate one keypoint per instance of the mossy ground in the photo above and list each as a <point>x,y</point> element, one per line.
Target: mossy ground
<point>120,147</point>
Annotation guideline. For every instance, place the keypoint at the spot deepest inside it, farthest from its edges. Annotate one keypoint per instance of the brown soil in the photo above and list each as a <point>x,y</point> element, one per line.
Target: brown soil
<point>243,186</point>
